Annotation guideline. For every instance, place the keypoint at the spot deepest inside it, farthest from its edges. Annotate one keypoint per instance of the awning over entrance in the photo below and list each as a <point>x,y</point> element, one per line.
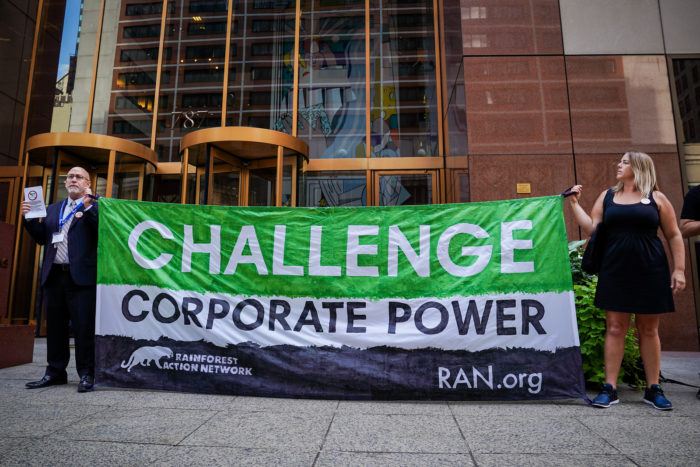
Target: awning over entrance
<point>93,148</point>
<point>89,150</point>
<point>246,143</point>
<point>240,147</point>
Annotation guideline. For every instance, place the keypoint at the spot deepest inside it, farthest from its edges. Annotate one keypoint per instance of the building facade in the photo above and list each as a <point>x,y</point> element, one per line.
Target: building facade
<point>399,102</point>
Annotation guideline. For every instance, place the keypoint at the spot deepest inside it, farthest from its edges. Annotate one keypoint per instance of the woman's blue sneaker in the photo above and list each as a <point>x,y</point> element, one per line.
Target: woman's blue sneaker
<point>607,397</point>
<point>654,395</point>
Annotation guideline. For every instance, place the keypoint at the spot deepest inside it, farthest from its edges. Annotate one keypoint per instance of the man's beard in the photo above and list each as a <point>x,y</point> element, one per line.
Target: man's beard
<point>74,191</point>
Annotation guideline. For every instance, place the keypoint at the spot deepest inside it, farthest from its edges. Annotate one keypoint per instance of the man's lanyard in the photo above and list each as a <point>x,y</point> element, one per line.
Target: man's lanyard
<point>63,220</point>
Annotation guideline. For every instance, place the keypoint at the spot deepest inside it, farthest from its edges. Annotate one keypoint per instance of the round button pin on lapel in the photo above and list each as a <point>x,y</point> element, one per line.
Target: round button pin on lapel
<point>79,214</point>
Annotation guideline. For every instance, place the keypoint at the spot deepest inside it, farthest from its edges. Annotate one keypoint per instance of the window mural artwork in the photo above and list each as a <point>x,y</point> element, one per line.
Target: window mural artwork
<point>357,67</point>
<point>332,82</point>
<point>336,189</point>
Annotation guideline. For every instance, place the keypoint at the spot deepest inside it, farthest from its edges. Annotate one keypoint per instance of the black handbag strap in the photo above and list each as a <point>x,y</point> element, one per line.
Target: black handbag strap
<point>609,195</point>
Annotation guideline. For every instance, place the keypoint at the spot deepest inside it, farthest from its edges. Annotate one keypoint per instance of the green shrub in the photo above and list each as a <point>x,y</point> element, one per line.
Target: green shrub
<point>591,328</point>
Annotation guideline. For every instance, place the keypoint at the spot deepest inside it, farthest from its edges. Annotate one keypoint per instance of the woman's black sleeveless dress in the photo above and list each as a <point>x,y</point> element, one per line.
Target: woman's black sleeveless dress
<point>634,275</point>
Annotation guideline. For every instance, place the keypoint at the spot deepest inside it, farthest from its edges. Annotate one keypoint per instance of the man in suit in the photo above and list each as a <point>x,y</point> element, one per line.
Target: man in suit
<point>68,279</point>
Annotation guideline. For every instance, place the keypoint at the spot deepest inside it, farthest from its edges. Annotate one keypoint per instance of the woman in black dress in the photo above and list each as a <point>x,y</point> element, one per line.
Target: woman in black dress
<point>634,275</point>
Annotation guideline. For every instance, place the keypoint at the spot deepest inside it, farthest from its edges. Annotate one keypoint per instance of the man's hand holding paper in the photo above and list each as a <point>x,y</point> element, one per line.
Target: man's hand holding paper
<point>33,205</point>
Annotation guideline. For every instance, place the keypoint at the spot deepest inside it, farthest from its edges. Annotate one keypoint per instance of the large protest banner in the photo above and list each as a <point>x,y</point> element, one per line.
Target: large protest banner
<point>459,301</point>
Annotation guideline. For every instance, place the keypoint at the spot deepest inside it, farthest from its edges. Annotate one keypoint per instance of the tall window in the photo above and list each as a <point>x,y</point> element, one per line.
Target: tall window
<point>404,107</point>
<point>332,79</point>
<point>337,96</point>
<point>687,79</point>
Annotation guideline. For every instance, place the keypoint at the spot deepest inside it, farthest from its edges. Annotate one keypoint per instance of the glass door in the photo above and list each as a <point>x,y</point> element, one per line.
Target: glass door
<point>261,184</point>
<point>225,185</point>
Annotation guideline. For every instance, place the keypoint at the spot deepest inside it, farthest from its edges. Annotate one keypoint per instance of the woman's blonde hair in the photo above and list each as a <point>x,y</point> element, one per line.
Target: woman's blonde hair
<point>644,173</point>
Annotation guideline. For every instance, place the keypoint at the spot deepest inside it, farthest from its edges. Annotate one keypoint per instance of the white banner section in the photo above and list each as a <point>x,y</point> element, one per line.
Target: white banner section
<point>543,321</point>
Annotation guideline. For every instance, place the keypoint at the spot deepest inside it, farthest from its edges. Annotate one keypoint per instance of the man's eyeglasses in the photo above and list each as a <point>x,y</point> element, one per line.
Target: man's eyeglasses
<point>75,176</point>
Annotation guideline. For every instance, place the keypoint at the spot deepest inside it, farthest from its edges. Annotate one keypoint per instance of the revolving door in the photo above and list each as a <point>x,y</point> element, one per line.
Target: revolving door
<point>242,166</point>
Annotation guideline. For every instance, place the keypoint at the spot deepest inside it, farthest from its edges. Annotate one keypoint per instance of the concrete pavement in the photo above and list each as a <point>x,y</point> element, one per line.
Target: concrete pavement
<point>58,426</point>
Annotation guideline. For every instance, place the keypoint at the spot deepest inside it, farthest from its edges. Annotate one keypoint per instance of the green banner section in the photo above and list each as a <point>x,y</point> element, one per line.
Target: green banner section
<point>369,252</point>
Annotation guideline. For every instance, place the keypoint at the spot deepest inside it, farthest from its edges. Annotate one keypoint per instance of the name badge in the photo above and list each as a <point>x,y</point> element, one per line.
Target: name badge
<point>57,238</point>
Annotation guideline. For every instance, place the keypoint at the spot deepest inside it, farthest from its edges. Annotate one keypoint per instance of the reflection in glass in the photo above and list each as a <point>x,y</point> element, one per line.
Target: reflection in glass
<point>225,189</point>
<point>61,192</point>
<point>126,185</point>
<point>101,184</point>
<point>324,189</point>
<point>686,73</point>
<point>286,185</point>
<point>129,174</point>
<point>164,188</point>
<point>461,187</point>
<point>403,90</point>
<point>332,79</point>
<point>332,117</point>
<point>403,190</point>
<point>129,70</point>
<point>193,71</point>
<point>263,52</point>
<point>457,116</point>
<point>67,63</point>
<point>261,187</point>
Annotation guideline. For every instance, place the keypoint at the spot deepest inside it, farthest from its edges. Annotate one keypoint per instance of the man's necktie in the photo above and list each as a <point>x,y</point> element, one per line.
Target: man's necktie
<point>62,248</point>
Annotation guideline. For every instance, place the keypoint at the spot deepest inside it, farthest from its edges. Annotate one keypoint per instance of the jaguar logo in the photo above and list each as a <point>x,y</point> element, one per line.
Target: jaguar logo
<point>144,356</point>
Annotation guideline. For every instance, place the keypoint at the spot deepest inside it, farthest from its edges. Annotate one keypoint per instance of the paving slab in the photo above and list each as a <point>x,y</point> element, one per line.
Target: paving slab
<point>393,459</point>
<point>147,425</point>
<point>126,398</point>
<point>294,431</point>
<point>395,433</point>
<point>553,460</point>
<point>642,435</point>
<point>394,408</point>
<point>21,420</point>
<point>681,366</point>
<point>281,405</point>
<point>531,435</point>
<point>16,389</point>
<point>43,452</point>
<point>23,373</point>
<point>64,394</point>
<point>137,398</point>
<point>670,460</point>
<point>521,409</point>
<point>188,456</point>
